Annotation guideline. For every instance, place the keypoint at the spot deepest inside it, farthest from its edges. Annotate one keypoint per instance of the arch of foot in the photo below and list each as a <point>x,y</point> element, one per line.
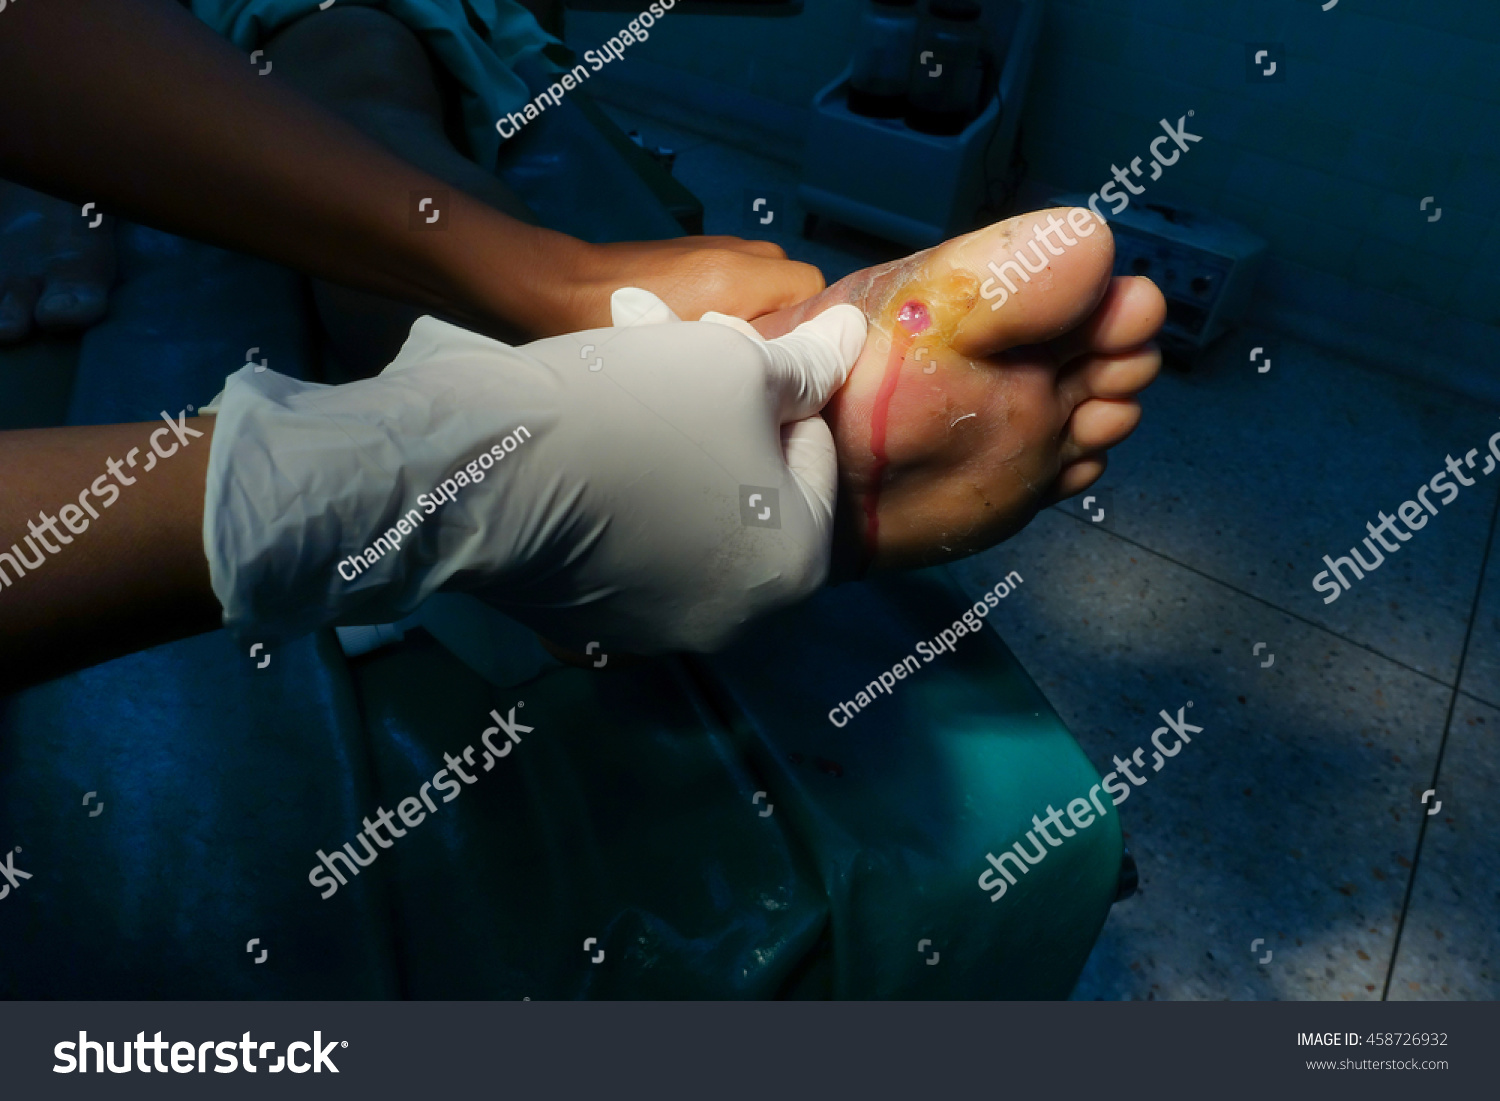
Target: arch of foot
<point>921,314</point>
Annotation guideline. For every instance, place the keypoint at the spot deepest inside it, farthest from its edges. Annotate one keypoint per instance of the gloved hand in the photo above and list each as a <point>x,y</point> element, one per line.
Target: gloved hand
<point>614,502</point>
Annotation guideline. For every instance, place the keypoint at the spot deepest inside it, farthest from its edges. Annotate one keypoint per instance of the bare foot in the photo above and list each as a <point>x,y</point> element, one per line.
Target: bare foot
<point>55,271</point>
<point>981,397</point>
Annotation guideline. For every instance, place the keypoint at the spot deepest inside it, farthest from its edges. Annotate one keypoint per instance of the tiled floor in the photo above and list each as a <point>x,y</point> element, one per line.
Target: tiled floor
<point>1296,818</point>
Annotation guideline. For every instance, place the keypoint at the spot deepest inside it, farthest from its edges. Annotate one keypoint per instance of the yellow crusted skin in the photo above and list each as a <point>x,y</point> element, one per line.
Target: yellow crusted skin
<point>948,298</point>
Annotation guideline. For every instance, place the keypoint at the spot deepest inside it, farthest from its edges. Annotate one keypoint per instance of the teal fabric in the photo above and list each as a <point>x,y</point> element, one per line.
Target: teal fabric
<point>478,42</point>
<point>625,816</point>
<point>629,815</point>
<point>897,809</point>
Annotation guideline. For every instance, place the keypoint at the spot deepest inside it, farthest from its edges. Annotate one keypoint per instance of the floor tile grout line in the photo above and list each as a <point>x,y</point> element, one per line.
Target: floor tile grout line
<point>1491,704</point>
<point>1454,690</point>
<point>1321,628</point>
<point>1437,766</point>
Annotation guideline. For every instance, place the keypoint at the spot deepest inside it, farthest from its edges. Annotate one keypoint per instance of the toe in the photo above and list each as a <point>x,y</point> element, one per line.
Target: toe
<point>76,275</point>
<point>1130,314</point>
<point>1020,281</point>
<point>1122,375</point>
<point>71,304</point>
<point>17,298</point>
<point>1098,425</point>
<point>1077,476</point>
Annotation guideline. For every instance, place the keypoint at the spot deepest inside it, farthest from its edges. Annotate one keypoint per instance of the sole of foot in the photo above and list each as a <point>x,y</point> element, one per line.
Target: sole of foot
<point>999,369</point>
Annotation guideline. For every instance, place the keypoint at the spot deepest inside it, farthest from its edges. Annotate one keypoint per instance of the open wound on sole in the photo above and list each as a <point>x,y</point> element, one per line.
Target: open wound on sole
<point>914,317</point>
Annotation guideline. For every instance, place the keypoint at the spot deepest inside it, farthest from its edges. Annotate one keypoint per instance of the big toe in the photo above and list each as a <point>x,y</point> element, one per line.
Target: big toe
<point>1026,280</point>
<point>72,304</point>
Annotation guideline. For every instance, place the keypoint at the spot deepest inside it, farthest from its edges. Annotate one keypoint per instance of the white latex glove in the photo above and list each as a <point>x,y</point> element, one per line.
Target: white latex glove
<point>621,519</point>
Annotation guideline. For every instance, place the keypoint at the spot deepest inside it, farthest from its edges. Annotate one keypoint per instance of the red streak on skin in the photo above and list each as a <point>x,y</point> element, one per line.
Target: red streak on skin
<point>879,418</point>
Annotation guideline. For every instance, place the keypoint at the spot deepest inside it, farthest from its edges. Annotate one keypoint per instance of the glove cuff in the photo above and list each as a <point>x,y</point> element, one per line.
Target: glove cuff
<point>299,477</point>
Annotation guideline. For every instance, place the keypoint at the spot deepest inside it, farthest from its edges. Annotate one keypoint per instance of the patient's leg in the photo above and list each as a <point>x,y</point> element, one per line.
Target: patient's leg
<point>961,419</point>
<point>371,69</point>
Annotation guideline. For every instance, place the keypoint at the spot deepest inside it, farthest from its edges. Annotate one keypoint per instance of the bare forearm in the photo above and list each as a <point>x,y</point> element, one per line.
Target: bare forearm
<point>135,105</point>
<point>100,558</point>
